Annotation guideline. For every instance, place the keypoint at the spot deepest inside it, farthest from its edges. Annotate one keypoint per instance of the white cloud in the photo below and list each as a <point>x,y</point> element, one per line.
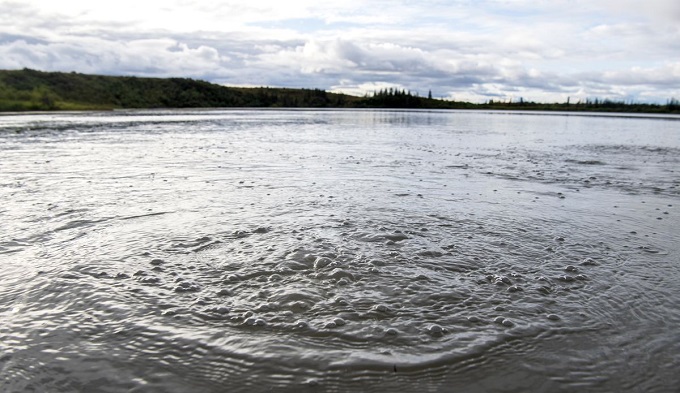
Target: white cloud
<point>657,11</point>
<point>148,57</point>
<point>477,50</point>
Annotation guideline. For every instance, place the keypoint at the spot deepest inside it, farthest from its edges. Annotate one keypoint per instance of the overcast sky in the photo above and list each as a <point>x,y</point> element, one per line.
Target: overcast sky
<point>542,50</point>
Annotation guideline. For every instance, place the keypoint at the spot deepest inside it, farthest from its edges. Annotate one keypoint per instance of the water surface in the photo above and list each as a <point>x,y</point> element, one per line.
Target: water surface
<point>168,251</point>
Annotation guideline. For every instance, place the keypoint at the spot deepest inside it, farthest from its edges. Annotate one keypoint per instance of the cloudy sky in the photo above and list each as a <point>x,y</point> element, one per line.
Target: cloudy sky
<point>541,50</point>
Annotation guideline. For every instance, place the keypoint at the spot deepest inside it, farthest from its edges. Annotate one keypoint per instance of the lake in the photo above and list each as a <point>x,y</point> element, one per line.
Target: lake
<point>339,250</point>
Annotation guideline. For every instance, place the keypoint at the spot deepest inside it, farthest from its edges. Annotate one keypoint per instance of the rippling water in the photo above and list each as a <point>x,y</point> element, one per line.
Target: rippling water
<point>210,251</point>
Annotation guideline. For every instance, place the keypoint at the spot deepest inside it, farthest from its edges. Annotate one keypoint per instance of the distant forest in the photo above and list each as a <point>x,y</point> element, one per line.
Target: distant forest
<point>31,90</point>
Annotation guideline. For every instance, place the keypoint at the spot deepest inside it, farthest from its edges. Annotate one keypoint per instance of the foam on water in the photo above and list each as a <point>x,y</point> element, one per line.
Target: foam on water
<point>342,251</point>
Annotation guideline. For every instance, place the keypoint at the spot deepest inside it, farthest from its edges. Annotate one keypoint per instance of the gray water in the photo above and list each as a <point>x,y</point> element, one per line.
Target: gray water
<point>214,251</point>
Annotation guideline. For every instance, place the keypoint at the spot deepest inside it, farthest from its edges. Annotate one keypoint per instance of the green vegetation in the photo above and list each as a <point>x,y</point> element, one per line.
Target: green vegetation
<point>594,105</point>
<point>30,90</point>
<point>395,98</point>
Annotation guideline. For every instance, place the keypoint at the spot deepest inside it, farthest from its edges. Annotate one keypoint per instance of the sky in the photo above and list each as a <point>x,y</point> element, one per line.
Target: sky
<point>541,50</point>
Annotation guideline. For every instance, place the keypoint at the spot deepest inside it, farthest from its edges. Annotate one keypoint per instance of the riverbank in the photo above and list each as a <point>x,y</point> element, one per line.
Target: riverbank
<point>31,90</point>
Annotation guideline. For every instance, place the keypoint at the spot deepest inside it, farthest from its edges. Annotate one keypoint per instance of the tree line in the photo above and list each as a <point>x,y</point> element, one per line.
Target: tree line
<point>31,90</point>
<point>26,90</point>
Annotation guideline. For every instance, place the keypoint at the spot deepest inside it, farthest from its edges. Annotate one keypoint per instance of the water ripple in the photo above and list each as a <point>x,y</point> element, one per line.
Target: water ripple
<point>337,251</point>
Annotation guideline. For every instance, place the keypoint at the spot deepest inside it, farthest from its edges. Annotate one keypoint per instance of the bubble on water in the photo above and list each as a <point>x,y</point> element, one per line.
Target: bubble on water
<point>553,317</point>
<point>436,330</point>
<point>396,237</point>
<point>240,234</point>
<point>381,237</point>
<point>101,275</point>
<point>150,280</point>
<point>544,290</point>
<point>187,286</point>
<point>500,280</point>
<point>391,332</point>
<point>275,277</point>
<point>322,262</point>
<point>218,310</point>
<point>223,292</point>
<point>266,307</point>
<point>301,324</point>
<point>302,256</point>
<point>503,321</point>
<point>330,325</point>
<point>339,322</point>
<point>339,273</point>
<point>312,382</point>
<point>292,265</point>
<point>252,321</point>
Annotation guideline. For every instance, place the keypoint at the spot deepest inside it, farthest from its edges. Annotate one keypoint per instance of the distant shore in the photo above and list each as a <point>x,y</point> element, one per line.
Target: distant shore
<point>30,90</point>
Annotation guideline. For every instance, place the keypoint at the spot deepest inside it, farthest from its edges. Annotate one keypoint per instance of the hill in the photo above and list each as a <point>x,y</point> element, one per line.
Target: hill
<point>25,90</point>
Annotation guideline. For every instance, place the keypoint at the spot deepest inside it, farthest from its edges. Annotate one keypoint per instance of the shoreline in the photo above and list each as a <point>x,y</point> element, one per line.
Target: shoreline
<point>530,112</point>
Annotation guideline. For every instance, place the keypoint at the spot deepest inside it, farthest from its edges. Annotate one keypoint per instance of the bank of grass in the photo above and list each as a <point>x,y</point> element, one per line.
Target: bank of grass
<point>31,90</point>
<point>28,104</point>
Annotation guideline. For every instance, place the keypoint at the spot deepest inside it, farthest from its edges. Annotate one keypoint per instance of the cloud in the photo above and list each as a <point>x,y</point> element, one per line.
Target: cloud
<point>666,76</point>
<point>459,49</point>
<point>145,57</point>
<point>656,11</point>
<point>340,55</point>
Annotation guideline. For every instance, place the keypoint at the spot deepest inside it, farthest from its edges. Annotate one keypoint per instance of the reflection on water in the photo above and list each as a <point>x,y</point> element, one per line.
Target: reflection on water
<point>338,251</point>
